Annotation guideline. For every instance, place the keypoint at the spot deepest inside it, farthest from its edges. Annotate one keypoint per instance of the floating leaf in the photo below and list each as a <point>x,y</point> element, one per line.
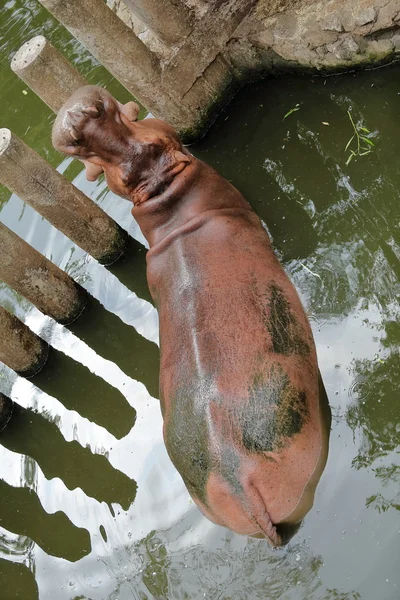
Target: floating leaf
<point>367,140</point>
<point>312,272</point>
<point>291,111</point>
<point>363,145</point>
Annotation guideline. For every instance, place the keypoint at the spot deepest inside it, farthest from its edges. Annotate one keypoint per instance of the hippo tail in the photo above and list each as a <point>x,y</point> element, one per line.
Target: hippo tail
<point>241,507</point>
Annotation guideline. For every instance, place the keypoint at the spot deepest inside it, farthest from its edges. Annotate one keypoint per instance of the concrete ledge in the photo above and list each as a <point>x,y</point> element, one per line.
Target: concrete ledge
<point>232,41</point>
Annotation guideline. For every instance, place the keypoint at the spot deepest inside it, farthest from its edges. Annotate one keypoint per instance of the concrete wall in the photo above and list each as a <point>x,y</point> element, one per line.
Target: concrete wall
<point>329,35</point>
<point>232,41</point>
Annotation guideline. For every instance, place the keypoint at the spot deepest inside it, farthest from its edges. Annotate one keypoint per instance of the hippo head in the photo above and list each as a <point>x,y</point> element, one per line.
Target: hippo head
<point>139,158</point>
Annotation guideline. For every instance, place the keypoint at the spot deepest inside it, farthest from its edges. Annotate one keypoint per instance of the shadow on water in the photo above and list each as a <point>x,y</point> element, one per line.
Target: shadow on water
<point>112,339</point>
<point>32,434</point>
<point>22,513</point>
<point>17,581</point>
<point>130,269</point>
<point>80,390</point>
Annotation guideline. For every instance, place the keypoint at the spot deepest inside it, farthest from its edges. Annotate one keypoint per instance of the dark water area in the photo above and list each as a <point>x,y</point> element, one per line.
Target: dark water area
<point>91,506</point>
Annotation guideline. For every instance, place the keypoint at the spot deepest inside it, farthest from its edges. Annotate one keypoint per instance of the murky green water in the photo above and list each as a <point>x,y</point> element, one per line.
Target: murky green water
<point>90,505</point>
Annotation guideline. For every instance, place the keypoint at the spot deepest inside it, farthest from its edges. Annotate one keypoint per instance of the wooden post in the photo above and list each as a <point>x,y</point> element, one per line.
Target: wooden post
<point>21,349</point>
<point>169,20</point>
<point>45,70</point>
<point>123,54</point>
<point>6,410</point>
<point>29,176</point>
<point>33,276</point>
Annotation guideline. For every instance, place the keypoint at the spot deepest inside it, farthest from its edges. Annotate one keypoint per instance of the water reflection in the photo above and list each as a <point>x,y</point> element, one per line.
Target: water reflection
<point>386,476</point>
<point>17,546</point>
<point>375,414</point>
<point>162,568</point>
<point>338,595</point>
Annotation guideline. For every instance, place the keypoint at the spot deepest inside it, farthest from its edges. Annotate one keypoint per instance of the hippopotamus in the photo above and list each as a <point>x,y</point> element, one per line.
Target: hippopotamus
<point>245,417</point>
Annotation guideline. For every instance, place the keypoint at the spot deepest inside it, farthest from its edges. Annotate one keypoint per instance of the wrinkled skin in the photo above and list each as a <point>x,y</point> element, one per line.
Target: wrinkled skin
<point>246,421</point>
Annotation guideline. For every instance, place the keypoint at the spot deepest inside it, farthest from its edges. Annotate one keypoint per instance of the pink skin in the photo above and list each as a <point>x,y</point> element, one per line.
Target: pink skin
<point>131,111</point>
<point>246,421</point>
<point>138,157</point>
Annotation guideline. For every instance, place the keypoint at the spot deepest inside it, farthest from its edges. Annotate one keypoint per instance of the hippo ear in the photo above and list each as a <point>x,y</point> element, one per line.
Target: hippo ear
<point>181,157</point>
<point>130,110</point>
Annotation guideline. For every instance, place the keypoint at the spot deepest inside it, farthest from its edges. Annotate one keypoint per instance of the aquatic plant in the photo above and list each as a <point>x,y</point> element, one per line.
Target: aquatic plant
<point>291,111</point>
<point>363,145</point>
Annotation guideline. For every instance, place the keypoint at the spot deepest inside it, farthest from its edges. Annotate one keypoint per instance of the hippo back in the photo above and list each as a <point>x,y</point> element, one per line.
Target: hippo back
<point>239,376</point>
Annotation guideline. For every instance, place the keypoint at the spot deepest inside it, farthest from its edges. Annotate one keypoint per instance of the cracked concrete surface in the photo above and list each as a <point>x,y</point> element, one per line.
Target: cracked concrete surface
<point>325,36</point>
<point>235,40</point>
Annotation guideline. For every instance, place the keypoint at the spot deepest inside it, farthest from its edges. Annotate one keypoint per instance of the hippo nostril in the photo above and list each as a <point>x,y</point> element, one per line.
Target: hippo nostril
<point>94,111</point>
<point>75,135</point>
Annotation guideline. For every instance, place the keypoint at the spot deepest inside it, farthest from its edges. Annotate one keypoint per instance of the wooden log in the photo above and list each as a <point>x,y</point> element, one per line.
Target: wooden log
<point>21,349</point>
<point>38,280</point>
<point>169,20</point>
<point>124,55</point>
<point>29,176</point>
<point>6,410</point>
<point>45,70</point>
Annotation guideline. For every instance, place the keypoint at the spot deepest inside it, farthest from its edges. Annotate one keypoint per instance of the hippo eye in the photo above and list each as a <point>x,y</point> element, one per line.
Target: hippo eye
<point>76,142</point>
